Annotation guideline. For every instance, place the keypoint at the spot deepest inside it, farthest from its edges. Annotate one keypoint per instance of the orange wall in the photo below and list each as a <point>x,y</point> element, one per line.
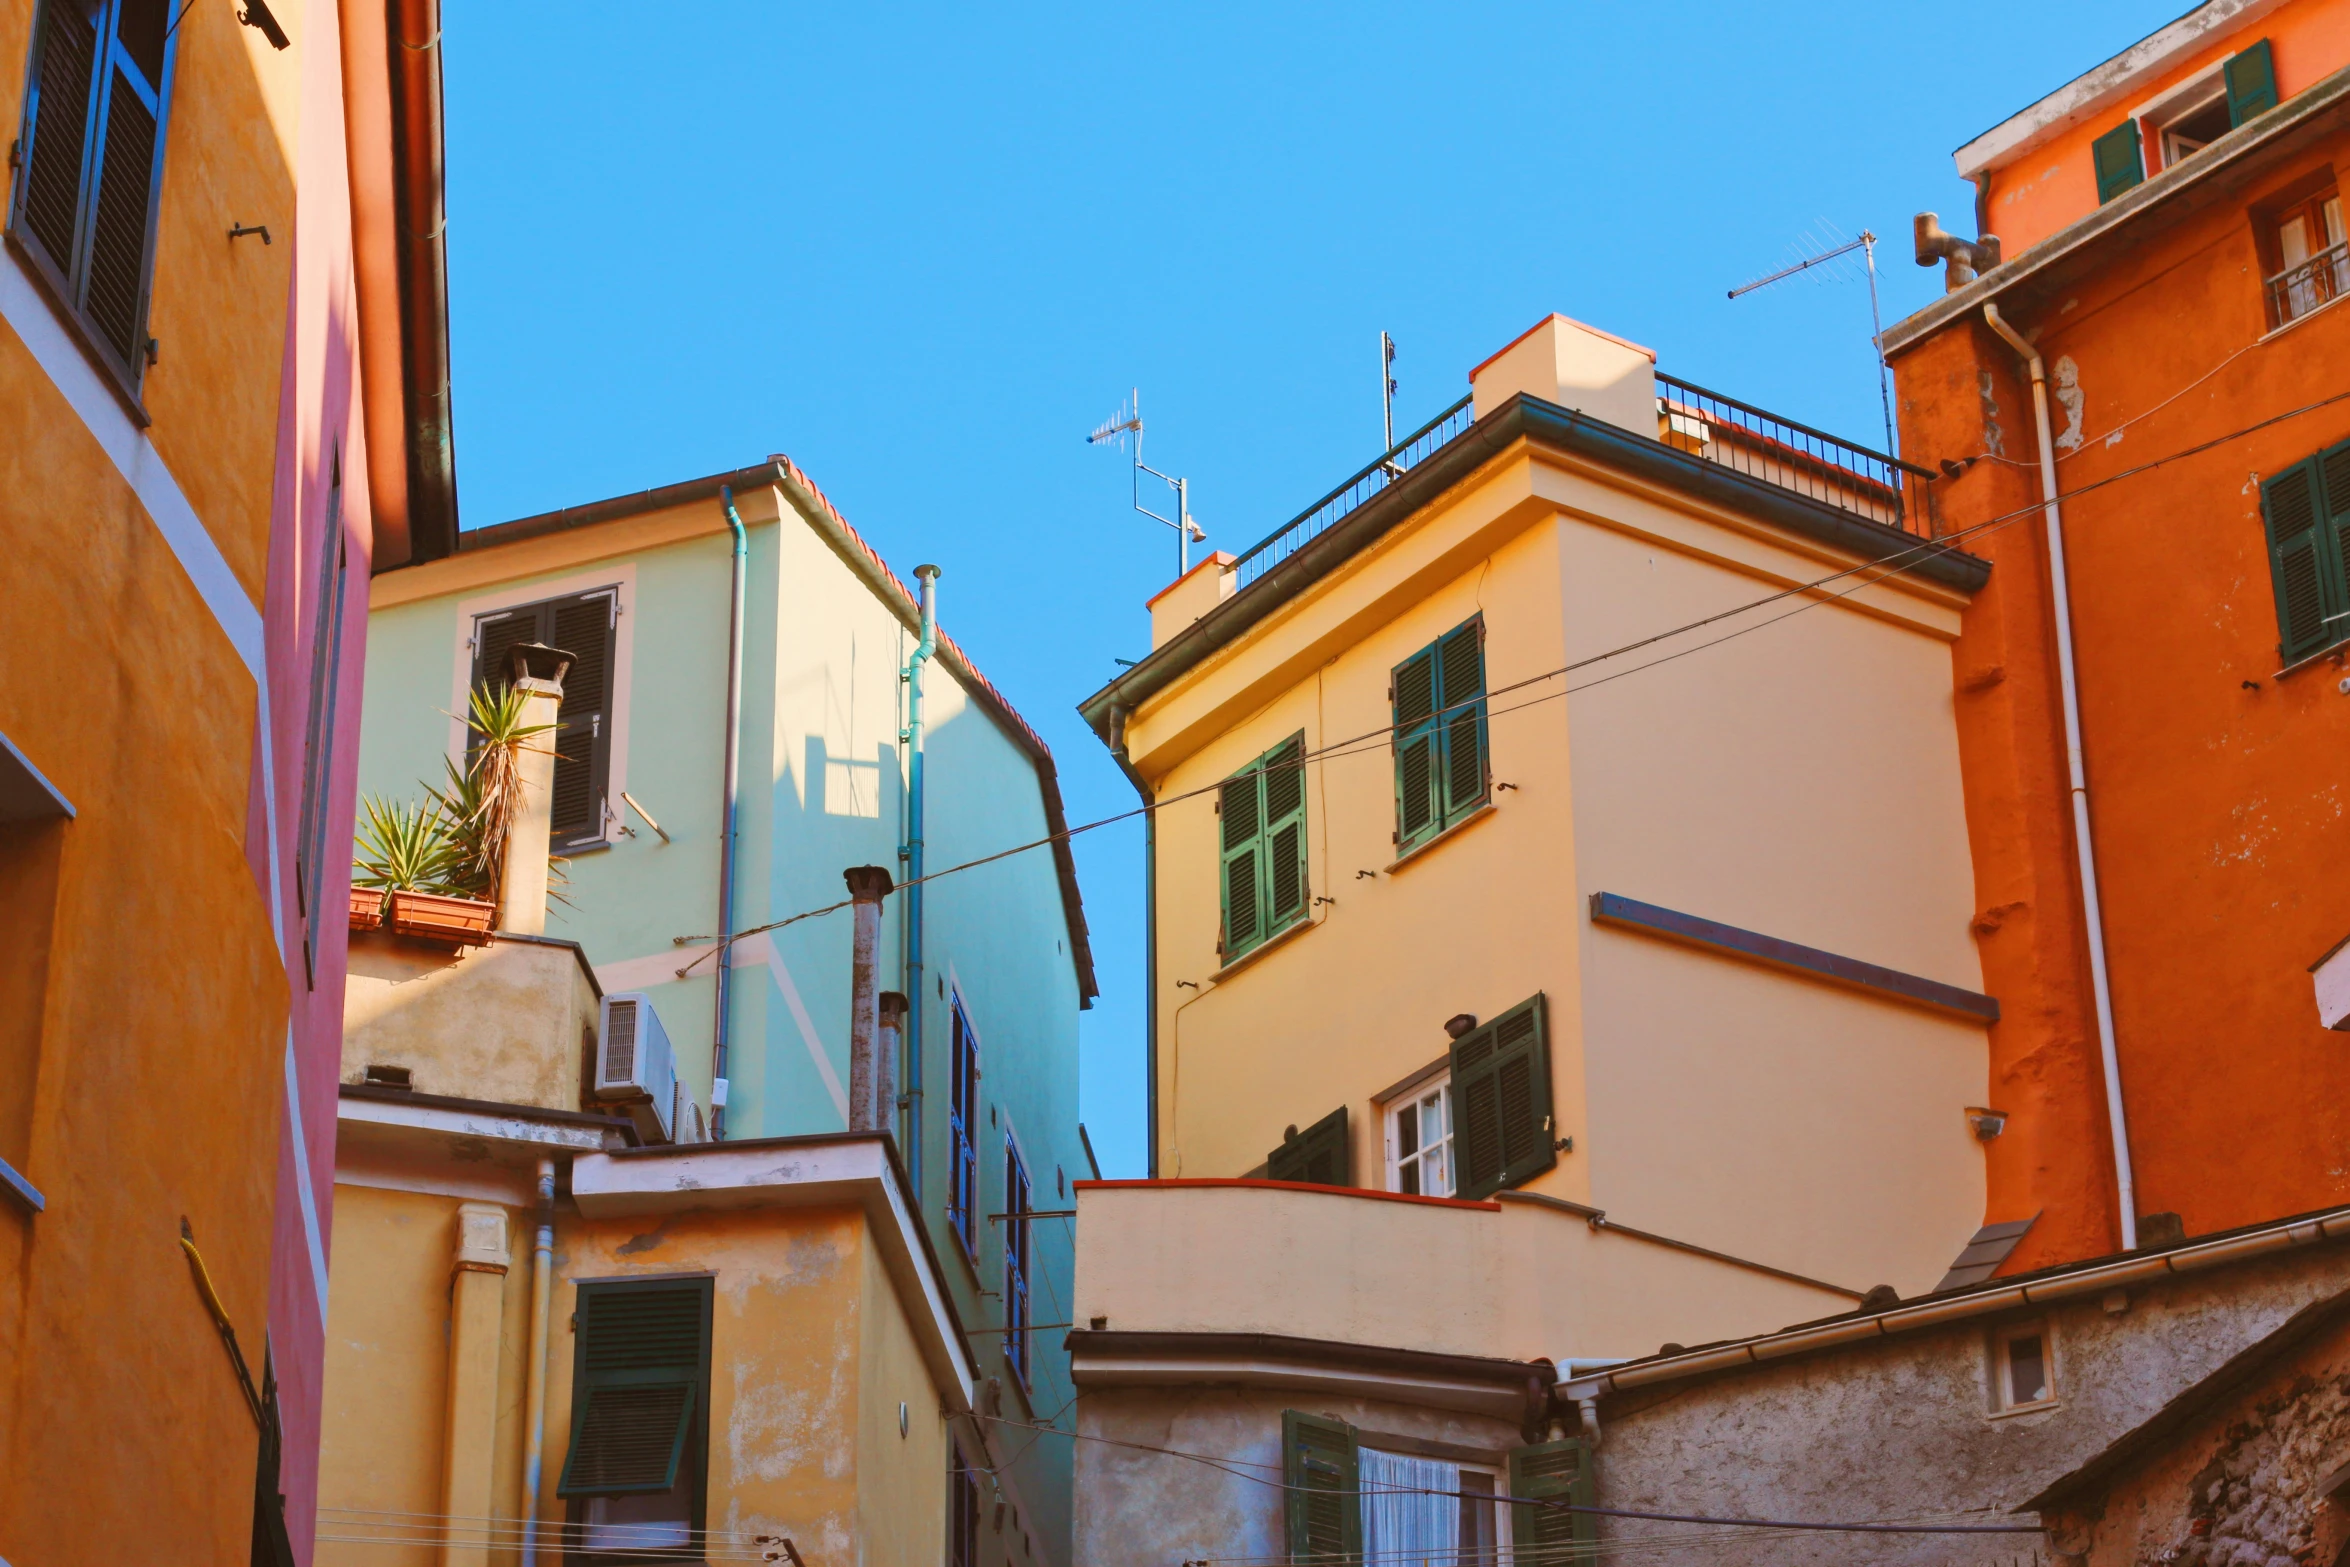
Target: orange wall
<point>2056,184</point>
<point>2222,820</point>
<point>150,1085</point>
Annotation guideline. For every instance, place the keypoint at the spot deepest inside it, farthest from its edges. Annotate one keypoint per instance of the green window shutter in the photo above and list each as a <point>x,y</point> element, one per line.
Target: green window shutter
<point>584,628</point>
<point>2291,504</point>
<point>1418,748</point>
<point>2252,83</point>
<point>640,1387</point>
<point>1241,807</point>
<point>1324,1515</point>
<point>2333,475</point>
<point>1460,665</point>
<point>1501,1102</point>
<point>1285,833</point>
<point>2120,160</point>
<point>1553,1472</point>
<point>1318,1154</point>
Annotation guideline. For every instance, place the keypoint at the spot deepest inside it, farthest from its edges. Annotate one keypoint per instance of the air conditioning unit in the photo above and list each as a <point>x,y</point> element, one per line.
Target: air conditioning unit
<point>635,1067</point>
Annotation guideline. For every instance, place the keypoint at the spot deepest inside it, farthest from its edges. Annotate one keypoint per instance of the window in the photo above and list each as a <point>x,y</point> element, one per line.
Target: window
<point>962,1513</point>
<point>2306,510</point>
<point>1262,812</point>
<point>33,818</point>
<point>1319,1154</point>
<point>1016,1206</point>
<point>640,1417</point>
<point>2023,1372</point>
<point>581,625</point>
<point>1419,1140</point>
<point>1501,1102</point>
<point>2186,120</point>
<point>963,1128</point>
<point>1349,1500</point>
<point>89,167</point>
<point>2303,251</point>
<point>1440,761</point>
<point>311,854</point>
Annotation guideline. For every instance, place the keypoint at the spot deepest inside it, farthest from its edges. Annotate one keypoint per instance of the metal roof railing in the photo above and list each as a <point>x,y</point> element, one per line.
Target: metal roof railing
<point>1384,470</point>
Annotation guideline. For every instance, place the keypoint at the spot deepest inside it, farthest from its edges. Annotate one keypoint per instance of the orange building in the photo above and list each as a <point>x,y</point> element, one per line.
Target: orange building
<point>2161,830</point>
<point>200,230</point>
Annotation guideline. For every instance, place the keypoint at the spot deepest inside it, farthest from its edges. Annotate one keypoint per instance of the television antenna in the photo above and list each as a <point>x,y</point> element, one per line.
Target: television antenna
<point>1113,432</point>
<point>1867,246</point>
<point>1387,386</point>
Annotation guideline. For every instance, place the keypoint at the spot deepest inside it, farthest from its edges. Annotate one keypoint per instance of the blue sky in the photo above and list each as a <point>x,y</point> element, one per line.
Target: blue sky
<point>924,250</point>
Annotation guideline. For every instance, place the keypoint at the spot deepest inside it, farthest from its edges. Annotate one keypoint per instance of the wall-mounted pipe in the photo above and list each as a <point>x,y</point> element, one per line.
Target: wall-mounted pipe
<point>2084,848</point>
<point>721,1031</point>
<point>910,856</point>
<point>1150,940</point>
<point>534,1419</point>
<point>885,1061</point>
<point>868,885</point>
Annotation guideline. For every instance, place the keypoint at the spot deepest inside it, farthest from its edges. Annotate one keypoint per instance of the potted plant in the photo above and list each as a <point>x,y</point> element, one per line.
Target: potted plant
<point>408,858</point>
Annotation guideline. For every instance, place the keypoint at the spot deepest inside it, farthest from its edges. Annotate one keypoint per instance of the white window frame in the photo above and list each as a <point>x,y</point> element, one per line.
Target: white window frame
<point>1438,1082</point>
<point>2003,1400</point>
<point>1503,1512</point>
<point>2181,102</point>
<point>620,580</point>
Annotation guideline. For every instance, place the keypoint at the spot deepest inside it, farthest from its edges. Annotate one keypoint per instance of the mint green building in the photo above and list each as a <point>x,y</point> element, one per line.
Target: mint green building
<point>640,589</point>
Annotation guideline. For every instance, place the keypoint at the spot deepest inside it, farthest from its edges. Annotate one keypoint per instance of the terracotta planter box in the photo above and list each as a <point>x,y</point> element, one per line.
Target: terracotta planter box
<point>367,908</point>
<point>464,922</point>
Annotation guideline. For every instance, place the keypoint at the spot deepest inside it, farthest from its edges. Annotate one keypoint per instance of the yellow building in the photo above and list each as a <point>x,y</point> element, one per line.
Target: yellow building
<point>1559,830</point>
<point>566,1328</point>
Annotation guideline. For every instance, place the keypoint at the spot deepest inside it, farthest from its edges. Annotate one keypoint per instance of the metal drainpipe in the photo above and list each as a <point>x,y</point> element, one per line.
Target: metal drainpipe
<point>1150,939</point>
<point>2125,1184</point>
<point>534,1420</point>
<point>911,855</point>
<point>721,1031</point>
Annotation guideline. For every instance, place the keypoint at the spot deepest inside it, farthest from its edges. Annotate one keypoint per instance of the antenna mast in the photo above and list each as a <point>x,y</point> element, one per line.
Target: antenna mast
<point>1113,432</point>
<point>1387,387</point>
<point>1867,246</point>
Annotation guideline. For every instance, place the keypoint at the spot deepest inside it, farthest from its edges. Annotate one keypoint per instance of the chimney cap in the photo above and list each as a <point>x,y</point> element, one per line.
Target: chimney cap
<point>894,1008</point>
<point>537,661</point>
<point>868,883</point>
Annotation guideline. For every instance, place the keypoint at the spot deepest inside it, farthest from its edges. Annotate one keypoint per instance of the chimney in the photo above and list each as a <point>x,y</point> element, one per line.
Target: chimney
<point>1174,607</point>
<point>522,886</point>
<point>885,1064</point>
<point>868,885</point>
<point>1574,366</point>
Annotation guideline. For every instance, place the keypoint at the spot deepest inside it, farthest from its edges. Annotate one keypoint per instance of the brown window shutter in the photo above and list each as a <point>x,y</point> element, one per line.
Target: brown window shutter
<point>50,198</point>
<point>117,294</point>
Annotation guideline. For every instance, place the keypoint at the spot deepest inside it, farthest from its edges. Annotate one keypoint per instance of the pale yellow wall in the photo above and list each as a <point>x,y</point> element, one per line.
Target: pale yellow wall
<point>1801,781</point>
<point>901,1492</point>
<point>1516,1280</point>
<point>501,1022</point>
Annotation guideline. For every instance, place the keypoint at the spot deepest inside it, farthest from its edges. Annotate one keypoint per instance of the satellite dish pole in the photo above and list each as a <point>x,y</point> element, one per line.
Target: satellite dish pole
<point>1387,387</point>
<point>1867,246</point>
<point>1113,432</point>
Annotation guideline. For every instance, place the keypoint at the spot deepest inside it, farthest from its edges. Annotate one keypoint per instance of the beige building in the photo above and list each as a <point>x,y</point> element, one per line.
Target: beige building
<point>1636,968</point>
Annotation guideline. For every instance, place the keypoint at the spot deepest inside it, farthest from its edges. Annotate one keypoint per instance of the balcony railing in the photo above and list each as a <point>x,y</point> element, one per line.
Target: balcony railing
<point>1740,436</point>
<point>2296,291</point>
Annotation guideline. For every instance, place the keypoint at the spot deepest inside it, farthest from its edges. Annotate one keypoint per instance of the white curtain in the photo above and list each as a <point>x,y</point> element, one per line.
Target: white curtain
<point>1403,1526</point>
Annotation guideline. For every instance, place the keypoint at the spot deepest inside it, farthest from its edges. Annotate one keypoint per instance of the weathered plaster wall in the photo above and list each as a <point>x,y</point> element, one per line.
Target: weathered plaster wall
<point>1902,1428</point>
<point>502,1022</point>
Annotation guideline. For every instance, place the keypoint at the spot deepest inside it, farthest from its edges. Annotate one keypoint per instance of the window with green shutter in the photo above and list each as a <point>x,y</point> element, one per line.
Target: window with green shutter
<point>585,625</point>
<point>2251,76</point>
<point>1318,1154</point>
<point>89,167</point>
<point>2306,512</point>
<point>2120,157</point>
<point>640,1412</point>
<point>1502,1125</point>
<point>1261,817</point>
<point>1441,771</point>
<point>1553,1472</point>
<point>1320,1468</point>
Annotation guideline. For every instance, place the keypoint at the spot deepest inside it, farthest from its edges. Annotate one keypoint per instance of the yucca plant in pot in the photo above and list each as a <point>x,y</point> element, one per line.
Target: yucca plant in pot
<point>483,800</point>
<point>406,854</point>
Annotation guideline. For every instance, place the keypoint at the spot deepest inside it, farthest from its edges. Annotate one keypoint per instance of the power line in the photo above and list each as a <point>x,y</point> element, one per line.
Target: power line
<point>1882,568</point>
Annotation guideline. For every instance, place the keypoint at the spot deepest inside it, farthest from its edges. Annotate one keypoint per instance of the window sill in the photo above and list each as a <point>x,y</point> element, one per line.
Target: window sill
<point>2332,650</point>
<point>1279,938</point>
<point>1425,845</point>
<point>2307,315</point>
<point>2036,1407</point>
<point>126,389</point>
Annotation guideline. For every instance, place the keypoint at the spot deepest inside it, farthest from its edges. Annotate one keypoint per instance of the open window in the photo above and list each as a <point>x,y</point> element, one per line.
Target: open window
<point>2185,120</point>
<point>1354,1496</point>
<point>637,1466</point>
<point>1419,1126</point>
<point>2304,260</point>
<point>585,625</point>
<point>2023,1368</point>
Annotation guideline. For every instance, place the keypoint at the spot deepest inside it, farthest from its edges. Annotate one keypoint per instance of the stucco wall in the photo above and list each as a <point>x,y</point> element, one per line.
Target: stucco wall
<point>502,1023</point>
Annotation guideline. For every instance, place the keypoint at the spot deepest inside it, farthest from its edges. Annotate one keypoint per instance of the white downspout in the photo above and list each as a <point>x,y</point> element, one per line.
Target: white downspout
<point>2125,1185</point>
<point>534,1419</point>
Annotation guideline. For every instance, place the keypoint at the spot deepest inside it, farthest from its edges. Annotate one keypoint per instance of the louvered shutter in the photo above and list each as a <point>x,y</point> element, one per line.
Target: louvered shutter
<point>1318,1154</point>
<point>1285,834</point>
<point>2291,504</point>
<point>1418,747</point>
<point>1553,1472</point>
<point>56,135</point>
<point>2252,83</point>
<point>1501,1101</point>
<point>2333,479</point>
<point>640,1387</point>
<point>1320,1468</point>
<point>129,159</point>
<point>1241,809</point>
<point>583,627</point>
<point>1460,663</point>
<point>2120,160</point>
<point>496,636</point>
